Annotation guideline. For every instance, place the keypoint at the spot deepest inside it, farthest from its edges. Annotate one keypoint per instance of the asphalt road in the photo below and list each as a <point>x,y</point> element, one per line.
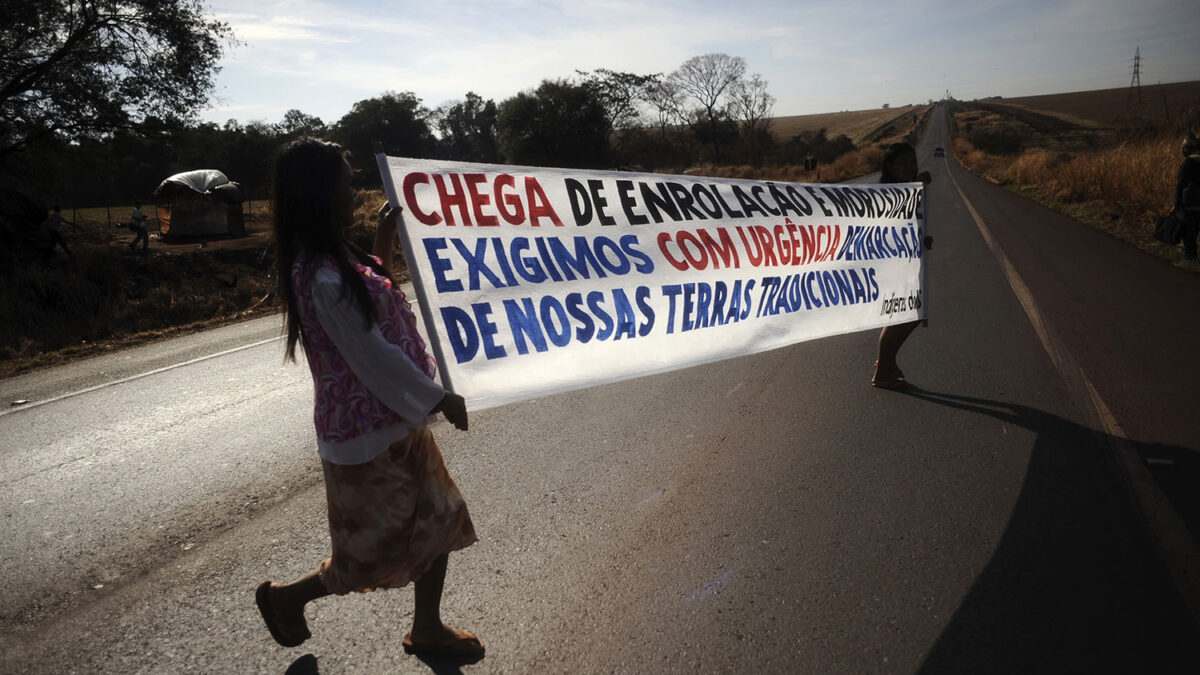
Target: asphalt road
<point>769,513</point>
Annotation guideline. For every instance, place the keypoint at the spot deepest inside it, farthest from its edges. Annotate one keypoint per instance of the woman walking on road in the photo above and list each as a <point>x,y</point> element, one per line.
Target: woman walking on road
<point>394,512</point>
<point>899,166</point>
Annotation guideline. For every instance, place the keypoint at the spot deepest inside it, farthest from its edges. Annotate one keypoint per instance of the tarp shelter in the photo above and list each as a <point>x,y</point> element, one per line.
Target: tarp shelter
<point>200,203</point>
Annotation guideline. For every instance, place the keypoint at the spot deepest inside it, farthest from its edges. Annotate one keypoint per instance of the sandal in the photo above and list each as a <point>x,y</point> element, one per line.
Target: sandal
<point>888,382</point>
<point>286,634</point>
<point>464,644</point>
<point>899,373</point>
<point>893,382</point>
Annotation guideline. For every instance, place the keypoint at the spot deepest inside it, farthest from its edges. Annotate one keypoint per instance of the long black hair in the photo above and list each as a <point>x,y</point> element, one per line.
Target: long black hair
<point>306,218</point>
<point>890,155</point>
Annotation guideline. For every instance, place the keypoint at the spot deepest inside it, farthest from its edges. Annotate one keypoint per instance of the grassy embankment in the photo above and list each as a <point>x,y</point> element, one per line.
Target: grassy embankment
<point>871,130</point>
<point>1117,177</point>
<point>108,296</point>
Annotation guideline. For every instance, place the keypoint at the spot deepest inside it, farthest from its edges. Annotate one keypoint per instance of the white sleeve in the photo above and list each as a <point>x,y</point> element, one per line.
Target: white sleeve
<point>380,365</point>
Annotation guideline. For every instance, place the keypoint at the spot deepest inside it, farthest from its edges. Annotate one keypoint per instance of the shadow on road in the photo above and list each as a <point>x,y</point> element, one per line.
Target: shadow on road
<point>441,665</point>
<point>448,665</point>
<point>305,665</point>
<point>1074,584</point>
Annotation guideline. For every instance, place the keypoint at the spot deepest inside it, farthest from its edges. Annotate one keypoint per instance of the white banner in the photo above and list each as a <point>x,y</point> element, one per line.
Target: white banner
<point>534,281</point>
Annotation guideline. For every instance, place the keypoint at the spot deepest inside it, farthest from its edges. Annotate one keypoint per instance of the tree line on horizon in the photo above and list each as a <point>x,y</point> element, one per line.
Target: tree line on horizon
<point>595,120</point>
<point>98,101</point>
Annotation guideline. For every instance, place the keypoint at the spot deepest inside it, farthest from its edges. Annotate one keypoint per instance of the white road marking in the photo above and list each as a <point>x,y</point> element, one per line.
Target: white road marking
<point>1175,545</point>
<point>35,404</point>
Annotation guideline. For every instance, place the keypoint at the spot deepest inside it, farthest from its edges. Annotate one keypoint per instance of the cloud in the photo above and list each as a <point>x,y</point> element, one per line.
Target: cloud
<point>321,57</point>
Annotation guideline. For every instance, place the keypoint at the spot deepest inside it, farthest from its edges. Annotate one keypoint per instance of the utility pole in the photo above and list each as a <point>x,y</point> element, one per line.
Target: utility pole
<point>1135,84</point>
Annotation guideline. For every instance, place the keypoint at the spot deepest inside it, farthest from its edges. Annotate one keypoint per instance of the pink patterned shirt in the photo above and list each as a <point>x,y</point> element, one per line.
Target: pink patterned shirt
<point>372,386</point>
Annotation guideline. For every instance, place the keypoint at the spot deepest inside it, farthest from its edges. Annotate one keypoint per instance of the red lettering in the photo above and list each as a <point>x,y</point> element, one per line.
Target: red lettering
<point>764,237</point>
<point>509,199</point>
<point>452,199</point>
<point>663,238</point>
<point>539,206</point>
<point>410,196</point>
<point>755,256</point>
<point>792,243</point>
<point>780,242</point>
<point>806,237</point>
<point>701,260</point>
<point>478,201</point>
<point>725,250</point>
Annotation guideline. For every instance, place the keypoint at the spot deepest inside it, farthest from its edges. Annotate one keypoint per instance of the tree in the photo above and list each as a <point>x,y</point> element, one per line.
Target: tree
<point>752,104</point>
<point>707,80</point>
<point>397,120</point>
<point>296,124</point>
<point>558,124</point>
<point>84,69</point>
<point>668,102</point>
<point>621,95</point>
<point>249,151</point>
<point>468,130</point>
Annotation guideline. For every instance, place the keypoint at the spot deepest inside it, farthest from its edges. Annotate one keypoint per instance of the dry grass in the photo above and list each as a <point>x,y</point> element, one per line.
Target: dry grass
<point>857,125</point>
<point>1162,104</point>
<point>109,297</point>
<point>1121,187</point>
<point>851,165</point>
<point>103,218</point>
<point>884,130</point>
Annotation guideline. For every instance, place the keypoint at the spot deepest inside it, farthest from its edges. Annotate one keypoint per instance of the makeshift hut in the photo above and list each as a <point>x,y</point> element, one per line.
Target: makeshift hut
<point>200,203</point>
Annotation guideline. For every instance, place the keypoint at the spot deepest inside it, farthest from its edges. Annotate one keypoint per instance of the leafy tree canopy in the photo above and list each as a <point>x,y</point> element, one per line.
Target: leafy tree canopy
<point>397,120</point>
<point>620,93</point>
<point>296,124</point>
<point>558,124</point>
<point>84,69</point>
<point>468,130</point>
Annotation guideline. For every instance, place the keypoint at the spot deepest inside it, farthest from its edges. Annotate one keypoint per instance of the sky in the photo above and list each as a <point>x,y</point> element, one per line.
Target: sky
<point>321,57</point>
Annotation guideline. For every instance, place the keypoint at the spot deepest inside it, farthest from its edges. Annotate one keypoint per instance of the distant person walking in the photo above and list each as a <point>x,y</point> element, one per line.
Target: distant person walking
<point>138,221</point>
<point>51,225</point>
<point>394,512</point>
<point>56,220</point>
<point>1187,195</point>
<point>899,166</point>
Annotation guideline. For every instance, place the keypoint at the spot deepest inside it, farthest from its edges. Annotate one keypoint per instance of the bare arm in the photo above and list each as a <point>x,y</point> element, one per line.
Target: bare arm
<point>385,234</point>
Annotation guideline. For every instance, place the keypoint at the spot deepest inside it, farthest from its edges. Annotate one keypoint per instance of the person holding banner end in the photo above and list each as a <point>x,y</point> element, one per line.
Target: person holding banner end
<point>394,512</point>
<point>899,166</point>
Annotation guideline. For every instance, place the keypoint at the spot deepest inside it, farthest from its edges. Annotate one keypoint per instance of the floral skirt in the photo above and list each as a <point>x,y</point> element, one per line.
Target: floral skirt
<point>391,517</point>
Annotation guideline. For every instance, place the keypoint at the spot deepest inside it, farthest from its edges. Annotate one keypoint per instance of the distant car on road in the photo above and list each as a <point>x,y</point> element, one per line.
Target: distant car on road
<point>938,152</point>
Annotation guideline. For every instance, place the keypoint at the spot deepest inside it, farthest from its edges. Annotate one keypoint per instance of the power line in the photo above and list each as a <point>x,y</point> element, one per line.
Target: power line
<point>1135,84</point>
